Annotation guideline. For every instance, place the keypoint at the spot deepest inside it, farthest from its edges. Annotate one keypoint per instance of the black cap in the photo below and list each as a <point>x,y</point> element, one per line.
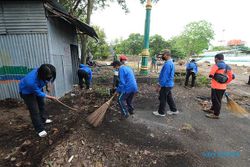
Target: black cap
<point>116,63</point>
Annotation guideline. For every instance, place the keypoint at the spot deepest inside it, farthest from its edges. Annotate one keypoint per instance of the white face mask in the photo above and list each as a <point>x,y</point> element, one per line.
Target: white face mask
<point>125,62</point>
<point>115,72</point>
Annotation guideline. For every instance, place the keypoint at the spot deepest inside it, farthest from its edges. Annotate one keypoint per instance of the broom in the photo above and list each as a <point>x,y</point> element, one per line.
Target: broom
<point>234,107</point>
<point>65,105</point>
<point>97,116</point>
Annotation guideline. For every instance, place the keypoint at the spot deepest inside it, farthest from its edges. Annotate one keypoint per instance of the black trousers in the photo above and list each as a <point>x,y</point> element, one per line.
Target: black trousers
<point>125,103</point>
<point>83,75</point>
<point>189,72</point>
<point>166,96</point>
<point>216,96</point>
<point>36,107</point>
<point>249,80</point>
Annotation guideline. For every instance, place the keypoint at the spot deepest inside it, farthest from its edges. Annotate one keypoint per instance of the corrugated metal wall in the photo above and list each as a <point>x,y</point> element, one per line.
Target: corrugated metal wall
<point>26,50</point>
<point>23,43</point>
<point>28,40</point>
<point>22,17</point>
<point>60,40</point>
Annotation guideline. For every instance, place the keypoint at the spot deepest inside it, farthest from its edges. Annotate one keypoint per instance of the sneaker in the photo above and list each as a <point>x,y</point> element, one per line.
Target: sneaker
<point>42,133</point>
<point>123,117</point>
<point>48,121</point>
<point>212,116</point>
<point>156,113</point>
<point>173,113</point>
<point>208,111</point>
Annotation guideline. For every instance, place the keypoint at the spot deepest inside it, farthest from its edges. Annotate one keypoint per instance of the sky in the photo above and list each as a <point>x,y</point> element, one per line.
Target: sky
<point>230,18</point>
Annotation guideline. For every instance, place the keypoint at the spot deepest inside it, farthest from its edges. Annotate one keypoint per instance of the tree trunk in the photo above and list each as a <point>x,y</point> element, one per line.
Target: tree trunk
<point>84,38</point>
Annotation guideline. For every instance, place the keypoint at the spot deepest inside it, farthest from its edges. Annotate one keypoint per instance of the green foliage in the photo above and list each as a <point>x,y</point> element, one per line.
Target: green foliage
<point>176,49</point>
<point>202,80</point>
<point>133,45</point>
<point>195,38</point>
<point>219,48</point>
<point>157,44</point>
<point>100,50</point>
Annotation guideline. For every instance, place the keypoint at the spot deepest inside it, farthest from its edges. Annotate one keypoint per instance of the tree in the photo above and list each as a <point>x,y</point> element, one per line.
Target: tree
<point>83,9</point>
<point>133,45</point>
<point>157,44</point>
<point>195,38</point>
<point>100,50</point>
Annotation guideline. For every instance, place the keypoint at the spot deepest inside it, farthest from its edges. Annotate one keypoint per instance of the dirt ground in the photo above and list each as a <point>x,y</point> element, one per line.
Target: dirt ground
<point>141,140</point>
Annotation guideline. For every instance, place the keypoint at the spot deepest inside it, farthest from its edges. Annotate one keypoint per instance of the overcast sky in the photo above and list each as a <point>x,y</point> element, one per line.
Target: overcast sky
<point>168,18</point>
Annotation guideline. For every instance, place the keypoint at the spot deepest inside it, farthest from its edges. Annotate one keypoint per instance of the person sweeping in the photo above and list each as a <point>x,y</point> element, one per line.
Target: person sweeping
<point>123,60</point>
<point>126,89</point>
<point>221,75</point>
<point>84,72</point>
<point>191,70</point>
<point>31,91</point>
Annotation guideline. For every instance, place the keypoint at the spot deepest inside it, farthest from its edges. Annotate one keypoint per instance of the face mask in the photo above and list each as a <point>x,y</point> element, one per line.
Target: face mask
<point>125,62</point>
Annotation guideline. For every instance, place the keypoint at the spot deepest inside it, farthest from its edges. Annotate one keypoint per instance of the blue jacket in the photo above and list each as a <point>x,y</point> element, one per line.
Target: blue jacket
<point>87,70</point>
<point>166,78</point>
<point>127,82</point>
<point>192,66</point>
<point>30,84</point>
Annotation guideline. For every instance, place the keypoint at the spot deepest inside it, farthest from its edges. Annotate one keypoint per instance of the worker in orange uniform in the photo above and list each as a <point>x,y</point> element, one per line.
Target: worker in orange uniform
<point>221,75</point>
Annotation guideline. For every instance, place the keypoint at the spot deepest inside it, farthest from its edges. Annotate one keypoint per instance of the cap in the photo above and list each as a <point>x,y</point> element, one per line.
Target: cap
<point>123,57</point>
<point>116,63</point>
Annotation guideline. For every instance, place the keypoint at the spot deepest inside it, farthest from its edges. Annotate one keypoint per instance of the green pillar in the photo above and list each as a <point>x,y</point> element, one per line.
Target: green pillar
<point>145,52</point>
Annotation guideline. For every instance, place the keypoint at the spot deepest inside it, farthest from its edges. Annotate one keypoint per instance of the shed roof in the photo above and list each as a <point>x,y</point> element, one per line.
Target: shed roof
<point>57,9</point>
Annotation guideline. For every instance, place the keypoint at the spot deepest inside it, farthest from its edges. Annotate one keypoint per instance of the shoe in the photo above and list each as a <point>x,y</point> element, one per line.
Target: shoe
<point>156,113</point>
<point>208,111</point>
<point>212,116</point>
<point>124,117</point>
<point>173,113</point>
<point>48,121</point>
<point>42,133</point>
<point>131,112</point>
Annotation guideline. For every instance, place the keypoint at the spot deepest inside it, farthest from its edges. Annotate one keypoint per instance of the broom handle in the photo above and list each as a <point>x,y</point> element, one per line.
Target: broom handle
<point>109,101</point>
<point>65,105</point>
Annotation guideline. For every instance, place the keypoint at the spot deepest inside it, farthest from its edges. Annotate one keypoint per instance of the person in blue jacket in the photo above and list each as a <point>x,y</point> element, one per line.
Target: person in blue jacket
<point>126,89</point>
<point>31,90</point>
<point>84,72</point>
<point>191,69</point>
<point>165,85</point>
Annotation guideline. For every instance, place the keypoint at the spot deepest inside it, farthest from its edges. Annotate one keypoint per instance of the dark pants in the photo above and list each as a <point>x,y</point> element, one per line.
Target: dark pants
<point>249,80</point>
<point>166,96</point>
<point>216,96</point>
<point>125,103</point>
<point>83,75</point>
<point>189,72</point>
<point>36,107</point>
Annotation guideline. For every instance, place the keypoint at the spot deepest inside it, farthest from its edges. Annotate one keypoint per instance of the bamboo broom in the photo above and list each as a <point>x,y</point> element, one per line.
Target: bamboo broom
<point>97,116</point>
<point>234,107</point>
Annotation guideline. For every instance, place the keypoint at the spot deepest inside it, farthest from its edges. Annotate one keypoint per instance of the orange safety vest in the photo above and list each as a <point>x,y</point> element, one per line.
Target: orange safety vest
<point>216,85</point>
